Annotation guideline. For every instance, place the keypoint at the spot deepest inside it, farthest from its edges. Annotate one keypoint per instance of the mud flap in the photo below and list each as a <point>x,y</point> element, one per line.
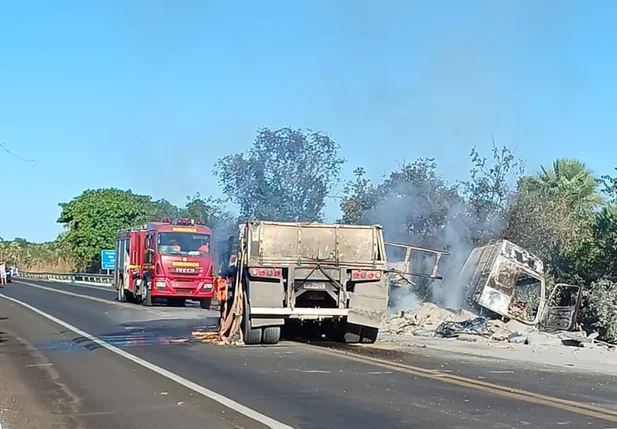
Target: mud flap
<point>368,304</point>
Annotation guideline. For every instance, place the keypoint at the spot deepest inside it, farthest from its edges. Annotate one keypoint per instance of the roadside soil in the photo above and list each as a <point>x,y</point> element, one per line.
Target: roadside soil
<point>31,396</point>
<point>592,358</point>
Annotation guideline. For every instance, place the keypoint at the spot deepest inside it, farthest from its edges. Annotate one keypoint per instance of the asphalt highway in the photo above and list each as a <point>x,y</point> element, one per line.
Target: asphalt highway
<point>103,364</point>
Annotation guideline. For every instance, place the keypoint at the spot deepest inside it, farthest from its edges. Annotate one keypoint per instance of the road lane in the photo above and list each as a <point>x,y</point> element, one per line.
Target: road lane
<point>94,389</point>
<point>566,383</point>
<point>300,386</point>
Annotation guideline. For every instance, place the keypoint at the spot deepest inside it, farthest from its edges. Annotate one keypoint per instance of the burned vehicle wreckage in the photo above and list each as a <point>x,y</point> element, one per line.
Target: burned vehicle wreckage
<point>498,280</point>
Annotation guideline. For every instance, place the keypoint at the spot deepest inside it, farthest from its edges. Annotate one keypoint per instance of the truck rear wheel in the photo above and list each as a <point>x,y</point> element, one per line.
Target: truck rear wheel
<point>351,333</point>
<point>205,303</point>
<point>271,335</point>
<point>251,335</point>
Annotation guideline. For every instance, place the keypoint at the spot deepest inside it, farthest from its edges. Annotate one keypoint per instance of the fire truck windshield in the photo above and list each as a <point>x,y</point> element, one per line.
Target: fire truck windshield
<point>183,243</point>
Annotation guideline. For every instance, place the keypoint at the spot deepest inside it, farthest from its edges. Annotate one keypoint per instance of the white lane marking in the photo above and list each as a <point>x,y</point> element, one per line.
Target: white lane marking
<point>101,300</point>
<point>223,400</point>
<point>89,286</point>
<point>39,364</point>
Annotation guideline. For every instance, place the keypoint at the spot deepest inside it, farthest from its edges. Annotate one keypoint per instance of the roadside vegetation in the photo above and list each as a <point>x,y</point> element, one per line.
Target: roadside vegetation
<point>563,212</point>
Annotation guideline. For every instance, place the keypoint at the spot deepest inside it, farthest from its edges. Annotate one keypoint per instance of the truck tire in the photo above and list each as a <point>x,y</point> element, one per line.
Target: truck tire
<point>129,297</point>
<point>271,335</point>
<point>251,335</point>
<point>147,296</point>
<point>351,333</point>
<point>369,334</point>
<point>205,303</point>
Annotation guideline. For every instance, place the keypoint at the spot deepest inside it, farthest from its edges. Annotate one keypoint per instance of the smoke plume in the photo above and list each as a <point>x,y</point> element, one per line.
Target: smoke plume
<point>431,214</point>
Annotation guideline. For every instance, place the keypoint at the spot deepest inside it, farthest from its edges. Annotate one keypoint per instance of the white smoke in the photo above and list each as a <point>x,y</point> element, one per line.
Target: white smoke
<point>414,214</point>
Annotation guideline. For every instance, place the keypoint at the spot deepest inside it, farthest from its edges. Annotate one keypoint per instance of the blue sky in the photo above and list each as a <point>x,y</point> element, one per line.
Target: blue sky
<point>148,94</point>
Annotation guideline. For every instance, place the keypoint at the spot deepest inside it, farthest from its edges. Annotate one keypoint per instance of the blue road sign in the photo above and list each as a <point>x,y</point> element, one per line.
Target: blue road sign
<point>108,259</point>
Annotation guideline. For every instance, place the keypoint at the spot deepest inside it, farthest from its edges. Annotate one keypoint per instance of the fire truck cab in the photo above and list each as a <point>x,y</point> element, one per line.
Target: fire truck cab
<point>171,259</point>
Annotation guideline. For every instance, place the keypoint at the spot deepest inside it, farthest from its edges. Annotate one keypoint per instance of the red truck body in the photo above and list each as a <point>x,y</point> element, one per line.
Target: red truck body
<point>170,259</point>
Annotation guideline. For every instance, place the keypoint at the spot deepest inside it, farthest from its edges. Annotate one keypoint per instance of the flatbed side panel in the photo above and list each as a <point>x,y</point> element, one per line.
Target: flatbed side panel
<point>315,243</point>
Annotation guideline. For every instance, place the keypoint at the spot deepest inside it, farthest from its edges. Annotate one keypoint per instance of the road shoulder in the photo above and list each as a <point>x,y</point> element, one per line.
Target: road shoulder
<point>31,395</point>
<point>594,359</point>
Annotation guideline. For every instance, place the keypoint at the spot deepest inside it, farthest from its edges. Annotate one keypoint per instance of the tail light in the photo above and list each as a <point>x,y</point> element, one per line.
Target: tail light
<point>366,275</point>
<point>266,272</point>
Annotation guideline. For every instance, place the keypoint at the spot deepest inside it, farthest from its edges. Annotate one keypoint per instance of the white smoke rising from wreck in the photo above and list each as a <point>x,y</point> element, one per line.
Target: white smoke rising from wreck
<point>402,214</point>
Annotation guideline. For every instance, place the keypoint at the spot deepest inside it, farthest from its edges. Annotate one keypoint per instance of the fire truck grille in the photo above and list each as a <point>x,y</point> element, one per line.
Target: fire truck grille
<point>184,290</point>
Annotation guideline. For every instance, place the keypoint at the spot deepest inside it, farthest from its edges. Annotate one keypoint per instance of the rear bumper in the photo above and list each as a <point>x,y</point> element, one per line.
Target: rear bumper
<point>199,289</point>
<point>300,313</point>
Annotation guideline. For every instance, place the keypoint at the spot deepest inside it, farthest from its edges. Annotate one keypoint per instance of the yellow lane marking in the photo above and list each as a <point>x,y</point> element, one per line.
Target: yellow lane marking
<point>509,392</point>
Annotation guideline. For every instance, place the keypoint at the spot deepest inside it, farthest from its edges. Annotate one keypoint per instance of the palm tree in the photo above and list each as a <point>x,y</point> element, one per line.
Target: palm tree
<point>572,179</point>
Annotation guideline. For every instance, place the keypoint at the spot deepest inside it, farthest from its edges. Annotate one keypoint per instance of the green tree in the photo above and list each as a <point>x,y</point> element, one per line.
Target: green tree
<point>570,178</point>
<point>286,175</point>
<point>204,210</point>
<point>163,209</point>
<point>549,225</point>
<point>93,218</point>
<point>413,203</point>
<point>605,241</point>
<point>490,191</point>
<point>359,197</point>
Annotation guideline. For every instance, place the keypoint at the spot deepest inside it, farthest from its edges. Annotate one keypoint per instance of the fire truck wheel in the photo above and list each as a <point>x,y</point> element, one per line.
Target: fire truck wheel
<point>271,335</point>
<point>205,303</point>
<point>129,297</point>
<point>148,298</point>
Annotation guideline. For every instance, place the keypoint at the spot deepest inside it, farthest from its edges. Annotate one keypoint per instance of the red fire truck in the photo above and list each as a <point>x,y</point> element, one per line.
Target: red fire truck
<point>171,259</point>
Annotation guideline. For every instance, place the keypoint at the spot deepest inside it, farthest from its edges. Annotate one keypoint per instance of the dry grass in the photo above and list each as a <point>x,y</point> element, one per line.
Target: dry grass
<point>58,267</point>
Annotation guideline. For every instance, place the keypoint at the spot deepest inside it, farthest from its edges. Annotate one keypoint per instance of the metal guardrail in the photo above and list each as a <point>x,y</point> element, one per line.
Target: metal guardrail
<point>69,277</point>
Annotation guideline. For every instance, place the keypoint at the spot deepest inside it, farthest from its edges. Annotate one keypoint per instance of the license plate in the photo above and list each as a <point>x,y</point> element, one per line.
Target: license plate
<point>314,286</point>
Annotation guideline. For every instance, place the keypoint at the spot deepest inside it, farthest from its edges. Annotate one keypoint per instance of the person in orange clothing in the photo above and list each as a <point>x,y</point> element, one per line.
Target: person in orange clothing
<point>204,249</point>
<point>220,292</point>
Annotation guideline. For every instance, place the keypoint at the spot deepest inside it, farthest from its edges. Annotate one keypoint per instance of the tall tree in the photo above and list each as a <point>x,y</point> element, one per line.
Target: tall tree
<point>93,218</point>
<point>164,209</point>
<point>286,175</point>
<point>569,178</point>
<point>490,191</point>
<point>413,203</point>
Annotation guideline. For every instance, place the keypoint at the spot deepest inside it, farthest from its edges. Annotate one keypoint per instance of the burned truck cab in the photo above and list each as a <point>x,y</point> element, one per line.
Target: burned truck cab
<point>505,279</point>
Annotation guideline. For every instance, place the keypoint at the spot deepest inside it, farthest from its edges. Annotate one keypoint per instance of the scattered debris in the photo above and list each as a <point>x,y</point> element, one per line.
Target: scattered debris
<point>543,339</point>
<point>430,320</point>
<point>450,329</point>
